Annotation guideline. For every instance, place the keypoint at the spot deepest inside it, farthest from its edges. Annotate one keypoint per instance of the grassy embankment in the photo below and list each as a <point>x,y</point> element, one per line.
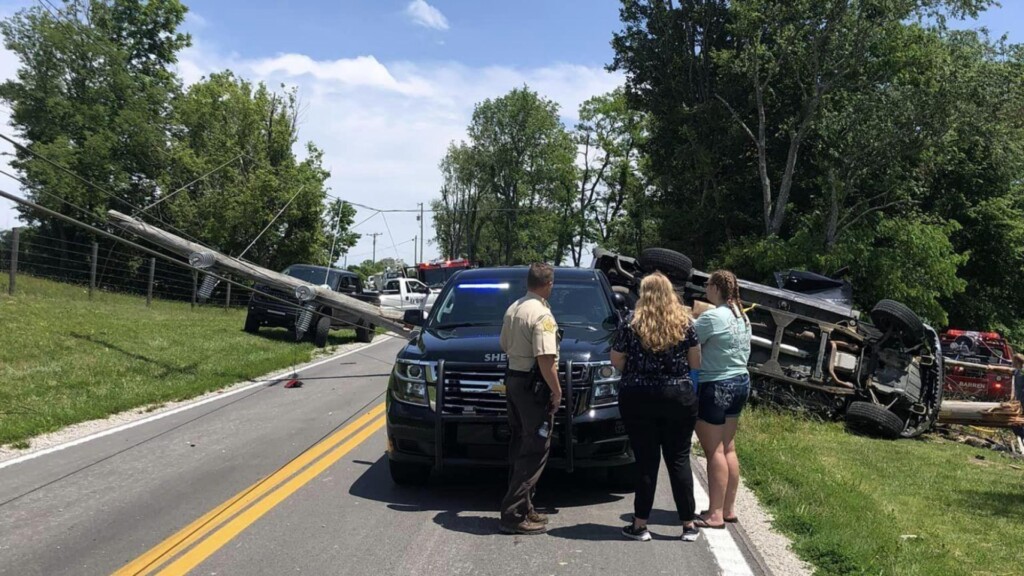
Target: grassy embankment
<point>65,359</point>
<point>856,505</point>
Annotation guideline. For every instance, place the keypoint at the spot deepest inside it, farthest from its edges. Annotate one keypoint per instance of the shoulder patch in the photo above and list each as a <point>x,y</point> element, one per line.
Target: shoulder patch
<point>548,324</point>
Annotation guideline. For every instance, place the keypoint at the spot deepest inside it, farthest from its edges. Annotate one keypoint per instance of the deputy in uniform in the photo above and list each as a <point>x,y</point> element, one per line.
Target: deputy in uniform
<point>529,337</point>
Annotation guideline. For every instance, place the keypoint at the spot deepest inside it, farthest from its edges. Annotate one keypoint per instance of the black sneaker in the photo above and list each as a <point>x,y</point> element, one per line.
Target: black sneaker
<point>690,533</point>
<point>632,533</point>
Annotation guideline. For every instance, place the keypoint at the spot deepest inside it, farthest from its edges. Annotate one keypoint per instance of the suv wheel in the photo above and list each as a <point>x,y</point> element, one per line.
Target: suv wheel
<point>891,315</point>
<point>408,473</point>
<point>252,323</point>
<point>323,329</point>
<point>675,266</point>
<point>874,420</point>
<point>365,335</point>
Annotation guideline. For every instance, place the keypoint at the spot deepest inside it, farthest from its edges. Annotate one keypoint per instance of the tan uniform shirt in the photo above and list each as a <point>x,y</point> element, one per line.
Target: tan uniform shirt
<point>528,330</point>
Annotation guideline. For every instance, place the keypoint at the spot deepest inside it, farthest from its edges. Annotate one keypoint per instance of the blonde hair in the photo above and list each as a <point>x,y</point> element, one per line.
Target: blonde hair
<point>659,320</point>
<point>1018,359</point>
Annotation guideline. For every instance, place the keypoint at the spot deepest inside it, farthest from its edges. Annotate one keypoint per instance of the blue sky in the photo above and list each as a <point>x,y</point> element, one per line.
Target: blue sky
<point>386,85</point>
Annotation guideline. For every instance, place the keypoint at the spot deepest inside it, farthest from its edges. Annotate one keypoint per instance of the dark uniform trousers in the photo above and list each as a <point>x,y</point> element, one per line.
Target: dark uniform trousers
<point>528,452</point>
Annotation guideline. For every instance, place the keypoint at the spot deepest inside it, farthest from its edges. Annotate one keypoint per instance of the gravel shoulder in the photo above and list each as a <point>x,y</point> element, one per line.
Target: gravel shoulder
<point>774,550</point>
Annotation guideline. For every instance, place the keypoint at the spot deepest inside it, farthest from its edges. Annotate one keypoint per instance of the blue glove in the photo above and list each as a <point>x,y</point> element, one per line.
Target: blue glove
<point>695,378</point>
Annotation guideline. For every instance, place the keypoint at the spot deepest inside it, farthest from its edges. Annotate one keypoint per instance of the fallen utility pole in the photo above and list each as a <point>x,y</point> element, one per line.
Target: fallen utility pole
<point>213,259</point>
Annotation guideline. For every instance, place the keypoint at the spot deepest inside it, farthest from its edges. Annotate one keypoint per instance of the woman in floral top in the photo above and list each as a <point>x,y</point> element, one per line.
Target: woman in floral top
<point>655,349</point>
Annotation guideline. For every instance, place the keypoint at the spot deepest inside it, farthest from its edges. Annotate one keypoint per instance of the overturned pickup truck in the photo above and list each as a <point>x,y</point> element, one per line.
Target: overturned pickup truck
<point>884,377</point>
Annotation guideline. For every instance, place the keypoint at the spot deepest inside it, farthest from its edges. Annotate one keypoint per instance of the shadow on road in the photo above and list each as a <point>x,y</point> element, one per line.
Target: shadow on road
<point>467,500</point>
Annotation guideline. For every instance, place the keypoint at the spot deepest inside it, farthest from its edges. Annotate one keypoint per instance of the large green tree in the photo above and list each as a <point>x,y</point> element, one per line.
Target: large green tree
<point>835,134</point>
<point>508,191</point>
<point>92,95</point>
<point>233,170</point>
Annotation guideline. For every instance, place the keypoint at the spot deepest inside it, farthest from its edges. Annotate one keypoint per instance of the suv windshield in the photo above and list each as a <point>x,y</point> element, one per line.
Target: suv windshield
<point>483,302</point>
<point>314,275</point>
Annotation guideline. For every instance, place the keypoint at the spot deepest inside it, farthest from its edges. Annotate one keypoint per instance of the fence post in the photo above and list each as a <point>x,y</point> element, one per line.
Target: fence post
<point>92,267</point>
<point>149,287</point>
<point>227,299</point>
<point>15,234</point>
<point>195,286</point>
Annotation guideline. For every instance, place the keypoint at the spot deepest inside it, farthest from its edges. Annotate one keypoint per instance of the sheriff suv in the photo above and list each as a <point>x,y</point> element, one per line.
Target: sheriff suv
<point>446,401</point>
<point>884,377</point>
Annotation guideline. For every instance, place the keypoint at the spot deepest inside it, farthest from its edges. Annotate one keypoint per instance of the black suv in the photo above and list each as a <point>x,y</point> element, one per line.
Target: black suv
<point>446,401</point>
<point>265,311</point>
<point>884,377</point>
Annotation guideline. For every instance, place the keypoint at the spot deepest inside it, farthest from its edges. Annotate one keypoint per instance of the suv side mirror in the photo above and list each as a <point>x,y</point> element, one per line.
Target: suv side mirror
<point>619,299</point>
<point>413,317</point>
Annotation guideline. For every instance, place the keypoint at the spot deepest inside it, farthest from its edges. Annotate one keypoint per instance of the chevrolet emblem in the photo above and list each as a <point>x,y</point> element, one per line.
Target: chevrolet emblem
<point>499,387</point>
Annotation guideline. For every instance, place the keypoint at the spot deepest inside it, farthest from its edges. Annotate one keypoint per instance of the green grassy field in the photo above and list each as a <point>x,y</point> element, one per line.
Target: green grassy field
<point>66,359</point>
<point>856,505</point>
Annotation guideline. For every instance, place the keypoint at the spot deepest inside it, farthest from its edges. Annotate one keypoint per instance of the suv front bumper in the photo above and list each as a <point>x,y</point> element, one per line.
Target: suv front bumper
<point>592,438</point>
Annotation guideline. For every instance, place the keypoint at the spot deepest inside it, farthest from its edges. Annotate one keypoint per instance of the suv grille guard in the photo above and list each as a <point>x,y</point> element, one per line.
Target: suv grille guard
<point>441,418</point>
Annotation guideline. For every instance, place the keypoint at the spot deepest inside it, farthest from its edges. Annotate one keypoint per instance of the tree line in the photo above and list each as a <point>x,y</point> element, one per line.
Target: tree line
<point>860,139</point>
<point>107,124</point>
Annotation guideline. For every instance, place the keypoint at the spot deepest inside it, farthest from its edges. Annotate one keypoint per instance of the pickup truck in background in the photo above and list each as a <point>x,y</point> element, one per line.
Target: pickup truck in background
<point>265,311</point>
<point>401,294</point>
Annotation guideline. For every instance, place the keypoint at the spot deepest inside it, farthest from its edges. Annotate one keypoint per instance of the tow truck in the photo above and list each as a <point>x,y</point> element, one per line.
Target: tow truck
<point>446,403</point>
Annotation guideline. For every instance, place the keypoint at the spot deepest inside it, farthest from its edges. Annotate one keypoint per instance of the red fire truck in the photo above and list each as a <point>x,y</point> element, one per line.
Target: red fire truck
<point>436,272</point>
<point>981,349</point>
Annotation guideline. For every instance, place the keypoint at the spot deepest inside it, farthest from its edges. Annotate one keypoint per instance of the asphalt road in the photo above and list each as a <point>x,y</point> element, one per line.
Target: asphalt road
<point>294,481</point>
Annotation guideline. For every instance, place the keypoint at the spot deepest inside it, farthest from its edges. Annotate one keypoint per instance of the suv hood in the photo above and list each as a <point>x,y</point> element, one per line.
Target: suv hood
<point>481,345</point>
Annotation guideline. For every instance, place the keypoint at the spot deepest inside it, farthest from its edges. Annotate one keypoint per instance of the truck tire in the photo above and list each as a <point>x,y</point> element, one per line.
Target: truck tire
<point>409,473</point>
<point>322,331</point>
<point>365,335</point>
<point>675,266</point>
<point>252,323</point>
<point>890,314</point>
<point>874,420</point>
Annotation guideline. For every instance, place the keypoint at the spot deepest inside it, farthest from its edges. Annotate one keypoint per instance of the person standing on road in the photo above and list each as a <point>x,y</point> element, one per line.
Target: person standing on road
<point>655,350</point>
<point>724,335</point>
<point>529,337</point>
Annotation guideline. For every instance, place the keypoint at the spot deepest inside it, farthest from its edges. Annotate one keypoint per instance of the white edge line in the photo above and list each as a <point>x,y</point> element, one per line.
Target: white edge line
<point>155,417</point>
<point>722,543</point>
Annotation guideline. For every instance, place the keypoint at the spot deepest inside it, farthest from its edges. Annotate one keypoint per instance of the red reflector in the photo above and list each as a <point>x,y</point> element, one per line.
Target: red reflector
<point>955,332</point>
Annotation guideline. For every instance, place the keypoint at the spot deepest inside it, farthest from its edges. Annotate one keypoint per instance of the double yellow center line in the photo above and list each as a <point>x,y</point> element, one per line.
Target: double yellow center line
<point>199,540</point>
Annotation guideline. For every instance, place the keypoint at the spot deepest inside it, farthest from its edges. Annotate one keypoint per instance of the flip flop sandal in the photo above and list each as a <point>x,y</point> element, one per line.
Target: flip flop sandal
<point>702,523</point>
<point>729,519</point>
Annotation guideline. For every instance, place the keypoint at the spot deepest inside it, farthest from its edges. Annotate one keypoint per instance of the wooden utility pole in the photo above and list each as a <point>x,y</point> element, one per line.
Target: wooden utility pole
<point>375,234</point>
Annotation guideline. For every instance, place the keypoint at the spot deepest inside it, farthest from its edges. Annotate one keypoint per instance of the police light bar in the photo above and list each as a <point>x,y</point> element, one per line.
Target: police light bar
<point>482,286</point>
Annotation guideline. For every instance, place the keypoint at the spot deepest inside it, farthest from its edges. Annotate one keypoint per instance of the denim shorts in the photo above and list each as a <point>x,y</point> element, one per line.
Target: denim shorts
<point>722,399</point>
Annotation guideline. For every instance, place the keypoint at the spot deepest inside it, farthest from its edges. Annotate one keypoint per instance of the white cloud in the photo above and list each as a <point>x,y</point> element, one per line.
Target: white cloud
<point>385,126</point>
<point>426,15</point>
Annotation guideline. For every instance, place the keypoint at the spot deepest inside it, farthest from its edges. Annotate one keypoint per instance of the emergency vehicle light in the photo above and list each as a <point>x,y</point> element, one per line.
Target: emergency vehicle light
<point>501,286</point>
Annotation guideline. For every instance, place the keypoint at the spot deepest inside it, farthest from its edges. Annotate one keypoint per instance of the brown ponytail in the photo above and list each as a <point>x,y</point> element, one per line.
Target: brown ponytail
<point>729,287</point>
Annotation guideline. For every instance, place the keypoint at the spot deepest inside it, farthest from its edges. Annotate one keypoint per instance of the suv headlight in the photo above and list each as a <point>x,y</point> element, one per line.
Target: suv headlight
<point>410,382</point>
<point>606,385</point>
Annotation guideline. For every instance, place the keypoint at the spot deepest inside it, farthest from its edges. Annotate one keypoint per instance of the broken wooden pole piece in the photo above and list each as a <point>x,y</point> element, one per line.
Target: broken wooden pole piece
<point>1007,369</point>
<point>988,414</point>
<point>369,314</point>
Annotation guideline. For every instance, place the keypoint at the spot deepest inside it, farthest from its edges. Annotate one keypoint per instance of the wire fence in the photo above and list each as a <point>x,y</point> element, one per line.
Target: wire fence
<point>107,266</point>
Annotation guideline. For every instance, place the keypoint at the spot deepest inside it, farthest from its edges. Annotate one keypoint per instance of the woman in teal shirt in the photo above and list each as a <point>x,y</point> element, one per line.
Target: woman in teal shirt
<point>724,335</point>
